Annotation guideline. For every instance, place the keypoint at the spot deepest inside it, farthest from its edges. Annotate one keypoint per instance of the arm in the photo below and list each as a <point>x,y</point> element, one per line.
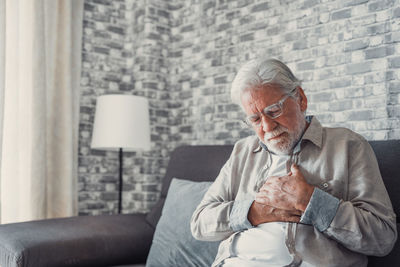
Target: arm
<point>365,221</point>
<point>210,220</point>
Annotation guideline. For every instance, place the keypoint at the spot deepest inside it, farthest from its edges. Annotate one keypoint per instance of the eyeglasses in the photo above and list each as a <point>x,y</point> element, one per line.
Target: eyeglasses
<point>273,111</point>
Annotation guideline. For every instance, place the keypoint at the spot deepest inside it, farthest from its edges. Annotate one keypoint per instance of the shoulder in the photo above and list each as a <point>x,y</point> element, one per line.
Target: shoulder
<point>246,145</point>
<point>340,136</point>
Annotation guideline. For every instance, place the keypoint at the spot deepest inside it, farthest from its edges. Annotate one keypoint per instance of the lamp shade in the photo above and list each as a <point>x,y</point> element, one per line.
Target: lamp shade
<point>121,121</point>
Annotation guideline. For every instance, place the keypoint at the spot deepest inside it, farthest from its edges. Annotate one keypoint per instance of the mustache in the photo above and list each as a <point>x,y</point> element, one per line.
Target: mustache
<point>277,131</point>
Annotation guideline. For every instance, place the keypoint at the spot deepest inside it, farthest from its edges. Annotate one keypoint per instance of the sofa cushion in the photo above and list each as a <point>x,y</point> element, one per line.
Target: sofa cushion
<point>154,215</point>
<point>173,244</point>
<point>195,163</point>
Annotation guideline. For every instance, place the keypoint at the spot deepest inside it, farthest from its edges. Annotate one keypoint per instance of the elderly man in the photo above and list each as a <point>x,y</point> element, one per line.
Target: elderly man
<point>296,193</point>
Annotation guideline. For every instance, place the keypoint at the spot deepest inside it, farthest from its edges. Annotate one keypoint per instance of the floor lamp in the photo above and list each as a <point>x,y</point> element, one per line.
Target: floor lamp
<point>121,124</point>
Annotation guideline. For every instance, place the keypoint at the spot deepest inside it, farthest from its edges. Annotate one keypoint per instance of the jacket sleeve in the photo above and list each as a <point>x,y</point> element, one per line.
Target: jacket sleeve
<point>218,215</point>
<point>210,220</point>
<point>365,221</point>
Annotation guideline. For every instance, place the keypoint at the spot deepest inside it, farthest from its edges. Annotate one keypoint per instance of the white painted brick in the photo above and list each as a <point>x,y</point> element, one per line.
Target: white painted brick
<point>379,89</point>
<point>394,134</point>
<point>375,102</point>
<point>324,17</point>
<point>379,135</point>
<point>379,64</point>
<point>359,10</point>
<point>348,35</point>
<point>340,116</point>
<point>340,93</point>
<point>396,74</point>
<point>397,47</point>
<point>357,56</point>
<point>114,86</point>
<point>378,124</point>
<point>261,34</point>
<point>380,113</point>
<point>323,40</point>
<point>358,80</point>
<point>376,40</point>
<point>291,25</point>
<point>360,126</point>
<point>395,27</point>
<point>323,107</point>
<point>88,32</point>
<point>320,62</point>
<point>383,15</point>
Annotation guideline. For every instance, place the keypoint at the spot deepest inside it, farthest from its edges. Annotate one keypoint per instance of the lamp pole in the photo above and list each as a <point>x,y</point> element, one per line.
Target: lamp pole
<point>120,181</point>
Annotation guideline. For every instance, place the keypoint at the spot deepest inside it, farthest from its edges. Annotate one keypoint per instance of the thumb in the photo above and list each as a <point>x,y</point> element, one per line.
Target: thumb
<point>294,169</point>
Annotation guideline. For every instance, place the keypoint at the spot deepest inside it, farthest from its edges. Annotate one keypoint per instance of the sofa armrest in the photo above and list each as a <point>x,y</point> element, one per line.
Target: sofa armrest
<point>76,241</point>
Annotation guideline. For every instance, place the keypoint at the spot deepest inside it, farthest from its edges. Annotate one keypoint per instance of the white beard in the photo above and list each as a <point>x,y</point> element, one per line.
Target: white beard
<point>284,144</point>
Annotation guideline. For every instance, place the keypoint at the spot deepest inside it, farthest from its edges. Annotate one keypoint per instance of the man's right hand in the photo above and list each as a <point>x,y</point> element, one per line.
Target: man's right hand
<point>259,213</point>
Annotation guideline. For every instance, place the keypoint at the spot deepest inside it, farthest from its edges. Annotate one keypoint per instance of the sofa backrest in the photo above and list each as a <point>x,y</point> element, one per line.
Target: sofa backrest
<point>203,163</point>
<point>388,156</point>
<point>196,163</point>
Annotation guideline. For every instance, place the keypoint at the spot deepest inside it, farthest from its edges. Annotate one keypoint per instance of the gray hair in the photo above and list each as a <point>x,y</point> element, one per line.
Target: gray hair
<point>259,72</point>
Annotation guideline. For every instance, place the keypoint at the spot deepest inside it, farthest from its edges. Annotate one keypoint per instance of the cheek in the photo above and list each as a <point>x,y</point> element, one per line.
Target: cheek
<point>290,121</point>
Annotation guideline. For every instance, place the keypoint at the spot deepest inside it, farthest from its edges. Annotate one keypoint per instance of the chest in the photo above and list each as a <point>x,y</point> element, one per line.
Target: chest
<point>328,172</point>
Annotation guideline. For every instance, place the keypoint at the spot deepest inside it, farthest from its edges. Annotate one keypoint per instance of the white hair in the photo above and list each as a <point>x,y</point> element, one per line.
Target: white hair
<point>259,72</point>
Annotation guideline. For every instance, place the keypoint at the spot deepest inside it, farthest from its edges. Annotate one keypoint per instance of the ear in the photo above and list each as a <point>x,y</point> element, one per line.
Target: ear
<point>302,99</point>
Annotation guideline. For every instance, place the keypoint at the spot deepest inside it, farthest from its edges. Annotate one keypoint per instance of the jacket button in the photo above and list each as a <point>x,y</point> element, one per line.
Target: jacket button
<point>325,185</point>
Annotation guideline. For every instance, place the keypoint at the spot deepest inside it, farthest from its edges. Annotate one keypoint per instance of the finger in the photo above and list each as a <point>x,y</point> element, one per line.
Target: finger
<point>261,200</point>
<point>293,212</point>
<point>262,194</point>
<point>297,212</point>
<point>275,180</point>
<point>287,215</point>
<point>295,219</point>
<point>270,189</point>
<point>267,187</point>
<point>272,178</point>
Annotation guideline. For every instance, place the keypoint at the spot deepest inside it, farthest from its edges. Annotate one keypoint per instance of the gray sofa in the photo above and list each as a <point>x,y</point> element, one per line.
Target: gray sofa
<point>125,240</point>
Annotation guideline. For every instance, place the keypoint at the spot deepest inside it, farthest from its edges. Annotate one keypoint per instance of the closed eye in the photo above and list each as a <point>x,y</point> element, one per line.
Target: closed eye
<point>273,110</point>
<point>254,119</point>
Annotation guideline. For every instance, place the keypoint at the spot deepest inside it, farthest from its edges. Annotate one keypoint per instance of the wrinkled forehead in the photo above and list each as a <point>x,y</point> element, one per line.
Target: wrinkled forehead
<point>268,92</point>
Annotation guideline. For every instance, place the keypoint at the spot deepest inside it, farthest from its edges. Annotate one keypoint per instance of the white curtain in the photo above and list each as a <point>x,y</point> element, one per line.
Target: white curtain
<point>42,58</point>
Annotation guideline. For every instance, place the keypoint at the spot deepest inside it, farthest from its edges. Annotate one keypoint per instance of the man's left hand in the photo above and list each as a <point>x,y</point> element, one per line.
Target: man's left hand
<point>290,192</point>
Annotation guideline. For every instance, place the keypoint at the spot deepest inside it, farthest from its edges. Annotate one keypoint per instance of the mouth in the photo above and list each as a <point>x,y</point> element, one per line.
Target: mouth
<point>276,137</point>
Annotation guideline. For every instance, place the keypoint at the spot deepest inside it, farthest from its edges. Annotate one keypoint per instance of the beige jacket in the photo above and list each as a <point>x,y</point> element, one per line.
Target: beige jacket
<point>336,160</point>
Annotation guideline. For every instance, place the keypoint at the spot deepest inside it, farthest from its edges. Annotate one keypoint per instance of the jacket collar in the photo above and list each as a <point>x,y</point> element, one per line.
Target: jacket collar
<point>313,134</point>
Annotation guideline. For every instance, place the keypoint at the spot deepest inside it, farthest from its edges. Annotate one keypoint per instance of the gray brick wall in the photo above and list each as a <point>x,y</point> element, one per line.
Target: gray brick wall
<point>183,55</point>
<point>124,52</point>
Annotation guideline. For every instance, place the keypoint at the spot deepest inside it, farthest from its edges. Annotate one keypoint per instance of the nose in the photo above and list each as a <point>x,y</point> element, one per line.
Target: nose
<point>268,124</point>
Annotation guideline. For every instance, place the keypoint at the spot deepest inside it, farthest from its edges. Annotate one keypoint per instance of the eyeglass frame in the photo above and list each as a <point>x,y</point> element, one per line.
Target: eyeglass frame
<point>279,104</point>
